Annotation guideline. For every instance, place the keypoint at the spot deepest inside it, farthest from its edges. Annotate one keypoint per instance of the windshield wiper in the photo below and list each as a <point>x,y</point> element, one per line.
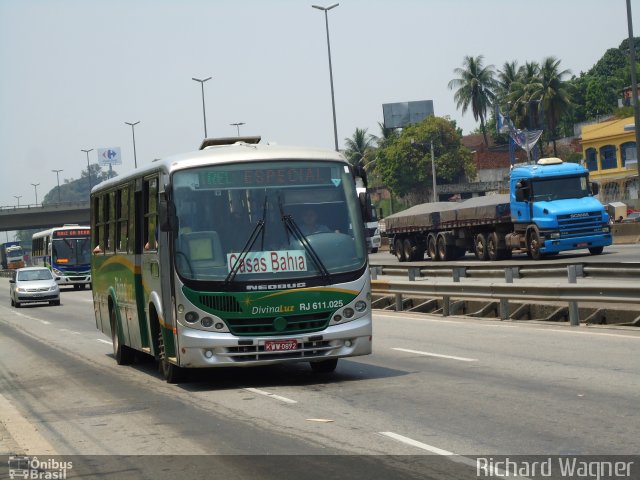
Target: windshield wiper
<point>291,226</point>
<point>259,228</point>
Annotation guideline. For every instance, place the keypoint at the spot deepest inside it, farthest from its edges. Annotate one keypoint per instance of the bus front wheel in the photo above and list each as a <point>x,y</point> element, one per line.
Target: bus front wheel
<point>122,353</point>
<point>324,366</point>
<point>171,373</point>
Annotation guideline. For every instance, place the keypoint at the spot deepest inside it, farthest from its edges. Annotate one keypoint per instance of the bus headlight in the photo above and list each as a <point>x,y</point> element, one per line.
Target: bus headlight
<point>360,306</point>
<point>348,312</point>
<point>191,317</point>
<point>206,322</point>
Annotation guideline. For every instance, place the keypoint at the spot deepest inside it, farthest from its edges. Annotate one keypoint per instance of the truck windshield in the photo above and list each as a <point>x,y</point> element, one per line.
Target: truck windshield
<point>235,221</point>
<point>548,189</point>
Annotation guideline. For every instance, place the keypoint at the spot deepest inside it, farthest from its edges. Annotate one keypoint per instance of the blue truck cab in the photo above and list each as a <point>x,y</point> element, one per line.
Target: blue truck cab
<point>553,209</point>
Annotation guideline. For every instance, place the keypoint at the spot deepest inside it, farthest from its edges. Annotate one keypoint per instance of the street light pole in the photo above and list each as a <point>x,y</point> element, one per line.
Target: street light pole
<point>18,197</point>
<point>133,131</point>
<point>634,88</point>
<point>88,169</point>
<point>237,125</point>
<point>204,112</point>
<point>35,187</point>
<point>58,177</point>
<point>333,101</point>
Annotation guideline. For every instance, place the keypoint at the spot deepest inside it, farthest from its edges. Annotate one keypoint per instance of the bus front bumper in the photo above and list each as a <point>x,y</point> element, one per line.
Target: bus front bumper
<point>201,349</point>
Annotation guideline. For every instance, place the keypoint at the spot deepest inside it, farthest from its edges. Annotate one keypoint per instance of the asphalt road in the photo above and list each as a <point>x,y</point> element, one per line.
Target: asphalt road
<point>432,388</point>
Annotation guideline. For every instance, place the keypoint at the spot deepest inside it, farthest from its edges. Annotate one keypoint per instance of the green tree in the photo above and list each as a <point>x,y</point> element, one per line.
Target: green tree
<point>357,146</point>
<point>474,88</point>
<point>404,164</point>
<point>77,190</point>
<point>552,93</point>
<point>524,110</point>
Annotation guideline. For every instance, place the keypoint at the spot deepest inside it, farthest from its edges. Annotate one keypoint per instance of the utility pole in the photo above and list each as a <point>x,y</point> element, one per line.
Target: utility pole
<point>433,173</point>
<point>634,89</point>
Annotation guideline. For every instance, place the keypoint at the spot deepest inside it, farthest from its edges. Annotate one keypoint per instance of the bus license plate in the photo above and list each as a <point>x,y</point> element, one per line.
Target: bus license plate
<point>280,345</point>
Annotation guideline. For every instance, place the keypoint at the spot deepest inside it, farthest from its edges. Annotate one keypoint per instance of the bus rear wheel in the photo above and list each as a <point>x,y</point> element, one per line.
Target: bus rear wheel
<point>324,366</point>
<point>171,373</point>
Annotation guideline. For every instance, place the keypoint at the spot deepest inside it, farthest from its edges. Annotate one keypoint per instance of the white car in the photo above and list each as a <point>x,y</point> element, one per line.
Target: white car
<point>33,284</point>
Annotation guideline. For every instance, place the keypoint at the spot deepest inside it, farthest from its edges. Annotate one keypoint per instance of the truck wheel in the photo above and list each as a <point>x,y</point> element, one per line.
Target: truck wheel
<point>533,245</point>
<point>431,248</point>
<point>444,252</point>
<point>399,250</point>
<point>409,253</point>
<point>492,247</point>
<point>596,250</point>
<point>482,252</point>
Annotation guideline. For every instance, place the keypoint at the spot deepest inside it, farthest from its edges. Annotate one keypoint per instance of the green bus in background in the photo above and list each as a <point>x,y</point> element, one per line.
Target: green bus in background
<point>238,254</point>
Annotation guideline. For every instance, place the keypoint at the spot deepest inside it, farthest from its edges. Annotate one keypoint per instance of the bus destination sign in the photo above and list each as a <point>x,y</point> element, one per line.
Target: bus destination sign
<point>268,177</point>
<point>72,233</point>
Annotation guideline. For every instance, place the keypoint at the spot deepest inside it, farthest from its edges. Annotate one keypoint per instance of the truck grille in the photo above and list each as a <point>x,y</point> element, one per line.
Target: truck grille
<point>580,223</point>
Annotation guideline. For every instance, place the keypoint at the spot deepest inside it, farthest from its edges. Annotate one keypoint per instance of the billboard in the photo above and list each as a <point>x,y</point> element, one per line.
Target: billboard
<point>399,115</point>
<point>109,156</point>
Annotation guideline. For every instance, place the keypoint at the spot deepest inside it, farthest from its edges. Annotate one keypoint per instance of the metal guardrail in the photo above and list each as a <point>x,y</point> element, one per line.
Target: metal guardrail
<point>492,271</point>
<point>570,292</point>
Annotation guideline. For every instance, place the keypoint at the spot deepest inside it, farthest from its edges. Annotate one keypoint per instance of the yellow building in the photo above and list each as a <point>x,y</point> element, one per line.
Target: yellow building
<point>610,155</point>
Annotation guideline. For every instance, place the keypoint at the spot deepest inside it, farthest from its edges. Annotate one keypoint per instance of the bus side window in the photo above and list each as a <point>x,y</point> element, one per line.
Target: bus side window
<point>150,214</point>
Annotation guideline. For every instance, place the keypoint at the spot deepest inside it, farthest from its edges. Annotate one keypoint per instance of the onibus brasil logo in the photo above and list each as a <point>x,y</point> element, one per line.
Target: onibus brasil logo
<point>35,468</point>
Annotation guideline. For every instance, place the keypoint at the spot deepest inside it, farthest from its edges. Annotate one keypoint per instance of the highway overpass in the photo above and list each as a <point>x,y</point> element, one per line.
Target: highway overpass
<point>43,216</point>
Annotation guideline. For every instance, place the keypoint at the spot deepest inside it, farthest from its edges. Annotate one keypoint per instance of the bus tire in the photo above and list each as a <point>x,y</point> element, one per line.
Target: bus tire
<point>171,373</point>
<point>122,353</point>
<point>324,366</point>
<point>596,250</point>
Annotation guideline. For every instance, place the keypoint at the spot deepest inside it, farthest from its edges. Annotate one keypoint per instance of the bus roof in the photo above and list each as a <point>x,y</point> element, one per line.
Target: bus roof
<point>212,153</point>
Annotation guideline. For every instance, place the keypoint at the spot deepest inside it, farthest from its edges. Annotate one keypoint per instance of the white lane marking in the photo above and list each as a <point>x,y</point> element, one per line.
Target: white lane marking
<point>595,333</point>
<point>272,395</point>
<point>44,322</point>
<point>70,331</point>
<point>103,341</point>
<point>415,443</point>
<point>491,470</point>
<point>429,354</point>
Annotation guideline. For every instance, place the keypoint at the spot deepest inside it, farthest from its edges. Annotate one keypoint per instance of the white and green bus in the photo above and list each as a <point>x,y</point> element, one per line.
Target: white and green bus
<point>208,259</point>
<point>66,251</point>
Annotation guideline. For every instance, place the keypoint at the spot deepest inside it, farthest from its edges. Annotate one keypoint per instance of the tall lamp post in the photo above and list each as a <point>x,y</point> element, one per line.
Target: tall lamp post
<point>88,169</point>
<point>18,197</point>
<point>58,177</point>
<point>35,187</point>
<point>204,112</point>
<point>237,125</point>
<point>133,131</point>
<point>333,102</point>
<point>634,88</point>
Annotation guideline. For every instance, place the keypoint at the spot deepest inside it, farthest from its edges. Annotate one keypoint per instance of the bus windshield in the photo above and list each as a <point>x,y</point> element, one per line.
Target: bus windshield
<point>71,251</point>
<point>267,221</point>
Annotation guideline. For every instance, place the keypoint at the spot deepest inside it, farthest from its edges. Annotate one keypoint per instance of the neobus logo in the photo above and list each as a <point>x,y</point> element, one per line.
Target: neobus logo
<point>276,286</point>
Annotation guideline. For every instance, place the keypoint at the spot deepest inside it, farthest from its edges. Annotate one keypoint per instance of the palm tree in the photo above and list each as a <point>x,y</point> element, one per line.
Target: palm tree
<point>524,110</point>
<point>506,77</point>
<point>357,146</point>
<point>475,87</point>
<point>553,94</point>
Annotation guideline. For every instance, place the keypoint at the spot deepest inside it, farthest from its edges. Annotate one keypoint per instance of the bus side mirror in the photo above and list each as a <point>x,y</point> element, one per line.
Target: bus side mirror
<point>365,206</point>
<point>167,218</point>
<point>595,188</point>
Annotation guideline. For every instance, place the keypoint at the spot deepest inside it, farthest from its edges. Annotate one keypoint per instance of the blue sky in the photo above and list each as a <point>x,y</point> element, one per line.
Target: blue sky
<point>73,71</point>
